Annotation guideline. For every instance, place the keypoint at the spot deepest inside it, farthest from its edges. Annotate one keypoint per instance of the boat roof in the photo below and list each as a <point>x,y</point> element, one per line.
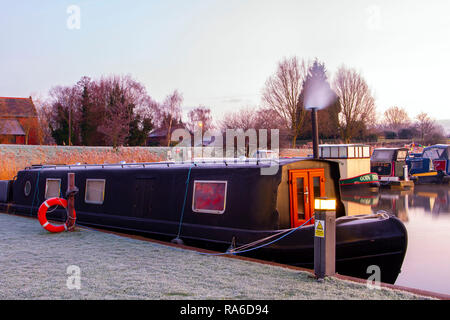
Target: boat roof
<point>393,148</point>
<point>210,163</point>
<point>443,146</point>
<point>344,145</point>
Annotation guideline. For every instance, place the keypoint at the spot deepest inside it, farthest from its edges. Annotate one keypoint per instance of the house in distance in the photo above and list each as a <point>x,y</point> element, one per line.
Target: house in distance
<point>18,121</point>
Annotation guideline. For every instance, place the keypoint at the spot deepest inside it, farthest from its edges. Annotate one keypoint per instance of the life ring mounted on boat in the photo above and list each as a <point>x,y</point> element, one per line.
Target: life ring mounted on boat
<point>42,214</point>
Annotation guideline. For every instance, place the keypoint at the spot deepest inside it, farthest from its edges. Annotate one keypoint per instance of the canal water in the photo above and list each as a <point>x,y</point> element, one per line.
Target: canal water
<point>425,211</point>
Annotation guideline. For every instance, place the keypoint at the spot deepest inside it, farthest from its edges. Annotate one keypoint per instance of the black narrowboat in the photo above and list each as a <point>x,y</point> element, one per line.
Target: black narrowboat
<point>215,204</point>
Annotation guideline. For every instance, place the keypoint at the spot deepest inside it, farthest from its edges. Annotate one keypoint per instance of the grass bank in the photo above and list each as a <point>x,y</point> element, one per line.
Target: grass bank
<point>33,265</point>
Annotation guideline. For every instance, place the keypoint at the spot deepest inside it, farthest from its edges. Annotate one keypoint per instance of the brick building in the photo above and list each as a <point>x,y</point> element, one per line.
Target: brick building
<point>18,121</point>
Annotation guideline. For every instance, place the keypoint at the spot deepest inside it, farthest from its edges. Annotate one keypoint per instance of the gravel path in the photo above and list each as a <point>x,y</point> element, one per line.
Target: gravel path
<point>34,265</point>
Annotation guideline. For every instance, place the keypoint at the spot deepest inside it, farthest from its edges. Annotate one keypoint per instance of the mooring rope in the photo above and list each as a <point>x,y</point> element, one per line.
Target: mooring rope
<point>184,202</point>
<point>251,244</point>
<point>236,251</point>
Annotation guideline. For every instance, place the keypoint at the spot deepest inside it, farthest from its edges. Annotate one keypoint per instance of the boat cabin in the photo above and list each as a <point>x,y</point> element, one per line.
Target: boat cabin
<point>354,159</point>
<point>432,165</point>
<point>432,158</point>
<point>233,194</point>
<point>388,163</point>
<point>356,180</point>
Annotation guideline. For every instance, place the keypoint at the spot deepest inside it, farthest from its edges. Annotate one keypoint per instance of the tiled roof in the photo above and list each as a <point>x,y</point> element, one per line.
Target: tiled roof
<point>11,127</point>
<point>17,107</point>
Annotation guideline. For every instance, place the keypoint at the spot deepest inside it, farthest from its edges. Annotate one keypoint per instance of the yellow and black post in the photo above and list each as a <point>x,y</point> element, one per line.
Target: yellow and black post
<point>324,237</point>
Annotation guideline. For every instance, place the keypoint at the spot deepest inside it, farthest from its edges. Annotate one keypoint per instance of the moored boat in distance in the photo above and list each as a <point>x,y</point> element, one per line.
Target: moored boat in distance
<point>370,179</point>
<point>390,165</point>
<point>431,166</point>
<point>354,160</point>
<point>215,203</point>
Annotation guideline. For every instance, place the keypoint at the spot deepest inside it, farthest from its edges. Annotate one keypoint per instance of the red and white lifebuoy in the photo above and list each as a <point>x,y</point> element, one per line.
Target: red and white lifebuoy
<point>42,214</point>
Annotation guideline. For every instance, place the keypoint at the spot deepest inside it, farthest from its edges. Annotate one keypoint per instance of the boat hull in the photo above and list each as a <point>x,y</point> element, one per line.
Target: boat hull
<point>432,177</point>
<point>364,181</point>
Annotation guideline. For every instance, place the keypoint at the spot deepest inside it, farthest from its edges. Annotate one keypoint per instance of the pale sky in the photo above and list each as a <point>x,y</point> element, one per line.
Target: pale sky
<point>220,53</point>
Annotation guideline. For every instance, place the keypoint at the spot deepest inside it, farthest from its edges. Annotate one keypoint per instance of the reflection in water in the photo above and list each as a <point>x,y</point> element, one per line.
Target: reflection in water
<point>425,211</point>
<point>395,202</point>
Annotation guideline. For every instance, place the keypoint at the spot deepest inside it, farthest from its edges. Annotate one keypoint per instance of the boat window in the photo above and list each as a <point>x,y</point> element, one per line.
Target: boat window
<point>382,155</point>
<point>209,196</point>
<point>351,152</point>
<point>316,186</point>
<point>401,155</point>
<point>27,188</point>
<point>366,152</point>
<point>326,153</point>
<point>416,164</point>
<point>433,153</point>
<point>342,152</point>
<point>301,198</point>
<point>334,153</point>
<point>95,191</point>
<point>52,188</point>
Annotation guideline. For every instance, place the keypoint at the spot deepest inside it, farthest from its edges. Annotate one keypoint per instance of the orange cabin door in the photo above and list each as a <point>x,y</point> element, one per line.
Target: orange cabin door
<point>305,186</point>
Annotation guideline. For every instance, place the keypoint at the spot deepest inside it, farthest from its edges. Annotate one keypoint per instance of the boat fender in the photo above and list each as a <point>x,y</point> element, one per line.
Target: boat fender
<point>42,214</point>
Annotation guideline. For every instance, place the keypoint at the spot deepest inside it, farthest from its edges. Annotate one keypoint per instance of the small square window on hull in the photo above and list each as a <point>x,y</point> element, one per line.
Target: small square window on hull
<point>209,196</point>
<point>52,188</point>
<point>95,191</point>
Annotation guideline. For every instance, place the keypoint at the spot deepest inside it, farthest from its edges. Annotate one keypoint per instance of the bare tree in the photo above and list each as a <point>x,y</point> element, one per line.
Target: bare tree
<point>357,103</point>
<point>170,111</point>
<point>115,125</point>
<point>429,130</point>
<point>252,120</point>
<point>267,118</point>
<point>245,118</point>
<point>281,94</point>
<point>424,124</point>
<point>44,114</point>
<point>240,131</point>
<point>200,117</point>
<point>396,118</point>
<point>65,108</point>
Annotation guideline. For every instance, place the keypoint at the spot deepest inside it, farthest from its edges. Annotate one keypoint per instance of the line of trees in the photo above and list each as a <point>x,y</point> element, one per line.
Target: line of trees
<point>111,111</point>
<point>396,124</point>
<point>347,107</point>
<point>348,113</point>
<point>118,111</point>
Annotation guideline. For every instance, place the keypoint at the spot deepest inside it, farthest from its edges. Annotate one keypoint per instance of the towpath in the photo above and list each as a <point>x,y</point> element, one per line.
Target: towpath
<point>88,264</point>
